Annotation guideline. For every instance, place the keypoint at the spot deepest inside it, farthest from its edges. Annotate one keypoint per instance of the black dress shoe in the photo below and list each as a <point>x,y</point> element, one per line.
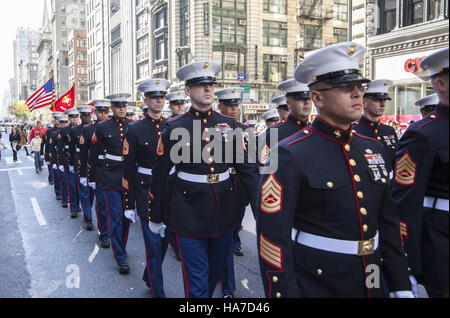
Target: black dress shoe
<point>51,183</point>
<point>124,269</point>
<point>74,214</point>
<point>89,226</point>
<point>65,205</point>
<point>238,251</point>
<point>106,243</point>
<point>58,198</point>
<point>227,295</point>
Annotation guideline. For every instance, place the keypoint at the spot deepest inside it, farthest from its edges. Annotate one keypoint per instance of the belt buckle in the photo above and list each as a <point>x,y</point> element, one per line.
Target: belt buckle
<point>366,248</point>
<point>233,171</point>
<point>212,178</point>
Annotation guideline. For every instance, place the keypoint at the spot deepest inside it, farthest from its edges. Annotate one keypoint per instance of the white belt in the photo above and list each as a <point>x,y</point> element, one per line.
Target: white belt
<point>78,150</point>
<point>145,171</point>
<point>436,203</point>
<point>101,157</point>
<point>66,147</point>
<point>200,178</point>
<point>391,175</point>
<point>172,171</point>
<point>360,248</point>
<point>115,158</point>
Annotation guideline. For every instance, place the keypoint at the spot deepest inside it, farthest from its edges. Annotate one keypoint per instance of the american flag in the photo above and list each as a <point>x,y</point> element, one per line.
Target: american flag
<point>43,97</point>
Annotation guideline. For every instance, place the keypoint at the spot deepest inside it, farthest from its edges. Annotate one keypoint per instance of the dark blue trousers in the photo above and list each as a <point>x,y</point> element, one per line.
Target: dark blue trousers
<point>72,181</point>
<point>228,277</point>
<point>203,261</point>
<point>102,211</point>
<point>64,187</point>
<point>155,252</point>
<point>118,225</point>
<point>50,174</point>
<point>58,182</point>
<point>85,201</point>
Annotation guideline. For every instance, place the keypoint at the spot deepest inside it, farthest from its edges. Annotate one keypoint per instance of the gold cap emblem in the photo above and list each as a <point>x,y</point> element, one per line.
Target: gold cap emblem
<point>234,91</point>
<point>386,83</point>
<point>352,50</point>
<point>206,65</point>
<point>158,82</point>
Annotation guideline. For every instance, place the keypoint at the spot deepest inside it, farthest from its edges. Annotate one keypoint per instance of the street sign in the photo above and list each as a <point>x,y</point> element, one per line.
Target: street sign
<point>242,78</point>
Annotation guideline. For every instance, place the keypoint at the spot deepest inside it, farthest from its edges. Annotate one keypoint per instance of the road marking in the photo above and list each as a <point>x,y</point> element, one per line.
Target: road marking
<point>38,212</point>
<point>10,161</point>
<point>94,254</point>
<point>14,169</point>
<point>79,233</point>
<point>31,159</point>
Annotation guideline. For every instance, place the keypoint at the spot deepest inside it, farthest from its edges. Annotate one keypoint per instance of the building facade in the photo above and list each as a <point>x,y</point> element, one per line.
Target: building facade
<point>78,71</point>
<point>66,15</point>
<point>399,35</point>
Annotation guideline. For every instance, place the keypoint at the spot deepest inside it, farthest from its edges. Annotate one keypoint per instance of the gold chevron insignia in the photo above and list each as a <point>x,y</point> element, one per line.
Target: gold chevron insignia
<point>126,147</point>
<point>271,196</point>
<point>271,253</point>
<point>264,155</point>
<point>405,172</point>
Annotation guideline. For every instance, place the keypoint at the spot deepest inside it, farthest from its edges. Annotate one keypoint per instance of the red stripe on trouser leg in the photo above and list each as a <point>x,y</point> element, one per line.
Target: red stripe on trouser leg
<point>109,228</point>
<point>184,268</point>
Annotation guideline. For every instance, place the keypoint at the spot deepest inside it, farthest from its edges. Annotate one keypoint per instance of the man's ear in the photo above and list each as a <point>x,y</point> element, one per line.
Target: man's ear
<point>317,98</point>
<point>187,90</point>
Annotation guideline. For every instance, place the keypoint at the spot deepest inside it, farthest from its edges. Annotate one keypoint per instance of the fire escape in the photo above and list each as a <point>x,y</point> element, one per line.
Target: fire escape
<point>312,15</point>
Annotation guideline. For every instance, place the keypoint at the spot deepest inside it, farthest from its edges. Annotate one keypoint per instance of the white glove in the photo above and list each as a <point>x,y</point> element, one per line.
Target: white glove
<point>42,158</point>
<point>158,228</point>
<point>415,286</point>
<point>47,163</point>
<point>72,169</point>
<point>404,294</point>
<point>61,168</point>
<point>130,215</point>
<point>92,185</point>
<point>84,182</point>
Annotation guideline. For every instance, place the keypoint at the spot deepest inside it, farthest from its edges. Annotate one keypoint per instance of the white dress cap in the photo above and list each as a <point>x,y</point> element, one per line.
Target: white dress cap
<point>436,63</point>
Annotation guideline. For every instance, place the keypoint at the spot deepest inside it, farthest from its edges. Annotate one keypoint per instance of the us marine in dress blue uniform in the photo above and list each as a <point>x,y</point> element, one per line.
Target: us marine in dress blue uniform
<point>58,169</point>
<point>108,138</point>
<point>325,217</point>
<point>202,208</point>
<point>85,194</point>
<point>140,156</point>
<point>370,125</point>
<point>91,170</point>
<point>67,162</point>
<point>421,183</point>
<point>427,104</point>
<point>298,101</point>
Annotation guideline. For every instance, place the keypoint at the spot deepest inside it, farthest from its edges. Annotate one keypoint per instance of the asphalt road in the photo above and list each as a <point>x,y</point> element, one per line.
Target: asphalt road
<point>46,254</point>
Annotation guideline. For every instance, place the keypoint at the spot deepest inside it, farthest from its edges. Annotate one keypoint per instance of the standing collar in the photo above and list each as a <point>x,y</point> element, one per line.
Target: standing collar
<point>295,121</point>
<point>331,132</point>
<point>155,121</point>
<point>201,114</point>
<point>369,123</point>
<point>442,110</point>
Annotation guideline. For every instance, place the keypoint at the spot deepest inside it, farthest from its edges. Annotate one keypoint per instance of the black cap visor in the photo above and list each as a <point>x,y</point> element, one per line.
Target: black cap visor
<point>155,94</point>
<point>201,81</point>
<point>299,95</point>
<point>230,102</point>
<point>340,77</point>
<point>378,96</point>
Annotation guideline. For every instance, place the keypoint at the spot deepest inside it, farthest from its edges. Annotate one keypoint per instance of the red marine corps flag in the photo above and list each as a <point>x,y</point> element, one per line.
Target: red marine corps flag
<point>66,101</point>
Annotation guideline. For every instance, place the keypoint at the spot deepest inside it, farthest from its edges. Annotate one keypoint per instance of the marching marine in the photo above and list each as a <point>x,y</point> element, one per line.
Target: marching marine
<point>140,153</point>
<point>427,104</point>
<point>108,139</point>
<point>421,184</point>
<point>370,124</point>
<point>325,220</point>
<point>202,208</point>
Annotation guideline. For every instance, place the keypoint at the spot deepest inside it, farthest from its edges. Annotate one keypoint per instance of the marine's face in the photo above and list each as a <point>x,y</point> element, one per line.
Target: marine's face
<point>178,109</point>
<point>102,114</point>
<point>232,111</point>
<point>375,108</point>
<point>119,112</point>
<point>340,105</point>
<point>202,96</point>
<point>155,104</point>
<point>300,108</point>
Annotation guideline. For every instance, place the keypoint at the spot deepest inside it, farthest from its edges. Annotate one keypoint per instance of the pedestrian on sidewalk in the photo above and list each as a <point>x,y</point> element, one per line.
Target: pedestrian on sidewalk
<point>35,146</point>
<point>23,140</point>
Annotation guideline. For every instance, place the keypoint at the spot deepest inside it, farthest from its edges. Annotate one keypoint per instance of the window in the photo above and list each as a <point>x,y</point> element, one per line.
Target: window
<point>160,48</point>
<point>141,20</point>
<point>142,45</point>
<point>407,96</point>
<point>275,6</point>
<point>312,37</point>
<point>143,70</point>
<point>414,12</point>
<point>275,68</point>
<point>184,22</point>
<point>340,35</point>
<point>233,63</point>
<point>310,8</point>
<point>434,9</point>
<point>275,34</point>
<point>160,19</point>
<point>115,34</point>
<point>341,10</point>
<point>229,26</point>
<point>388,13</point>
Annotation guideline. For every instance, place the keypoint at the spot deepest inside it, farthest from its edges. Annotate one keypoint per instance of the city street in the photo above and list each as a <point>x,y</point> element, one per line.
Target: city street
<point>43,249</point>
